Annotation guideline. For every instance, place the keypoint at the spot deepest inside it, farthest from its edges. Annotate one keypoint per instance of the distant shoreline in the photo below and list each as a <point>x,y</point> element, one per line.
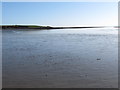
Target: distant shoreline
<point>6,27</point>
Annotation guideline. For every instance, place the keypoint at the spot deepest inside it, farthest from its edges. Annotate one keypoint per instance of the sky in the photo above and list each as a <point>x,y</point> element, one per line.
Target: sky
<point>60,13</point>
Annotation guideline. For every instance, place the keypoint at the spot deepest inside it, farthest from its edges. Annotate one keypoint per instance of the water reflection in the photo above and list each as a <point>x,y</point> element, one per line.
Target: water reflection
<point>85,58</point>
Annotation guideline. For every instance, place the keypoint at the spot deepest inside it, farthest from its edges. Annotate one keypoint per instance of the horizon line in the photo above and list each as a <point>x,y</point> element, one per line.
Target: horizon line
<point>59,26</point>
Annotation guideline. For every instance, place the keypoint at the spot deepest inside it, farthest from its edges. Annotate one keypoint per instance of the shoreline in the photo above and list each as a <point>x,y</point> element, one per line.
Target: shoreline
<point>6,27</point>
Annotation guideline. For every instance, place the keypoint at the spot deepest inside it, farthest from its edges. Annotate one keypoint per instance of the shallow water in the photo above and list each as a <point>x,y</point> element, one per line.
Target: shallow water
<point>70,58</point>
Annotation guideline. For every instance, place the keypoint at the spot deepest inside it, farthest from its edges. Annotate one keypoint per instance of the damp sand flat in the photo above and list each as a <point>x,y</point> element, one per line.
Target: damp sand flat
<point>81,58</point>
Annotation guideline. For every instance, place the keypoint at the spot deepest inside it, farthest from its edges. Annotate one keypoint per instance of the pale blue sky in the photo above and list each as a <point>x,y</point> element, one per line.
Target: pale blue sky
<point>60,13</point>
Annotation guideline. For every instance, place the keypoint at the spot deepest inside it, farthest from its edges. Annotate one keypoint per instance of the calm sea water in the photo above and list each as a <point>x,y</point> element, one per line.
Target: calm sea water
<point>81,58</point>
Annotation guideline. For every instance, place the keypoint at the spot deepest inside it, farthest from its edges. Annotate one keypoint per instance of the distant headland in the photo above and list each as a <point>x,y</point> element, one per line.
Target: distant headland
<point>4,27</point>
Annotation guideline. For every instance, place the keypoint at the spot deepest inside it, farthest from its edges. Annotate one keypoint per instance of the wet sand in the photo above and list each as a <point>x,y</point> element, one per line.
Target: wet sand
<point>85,58</point>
